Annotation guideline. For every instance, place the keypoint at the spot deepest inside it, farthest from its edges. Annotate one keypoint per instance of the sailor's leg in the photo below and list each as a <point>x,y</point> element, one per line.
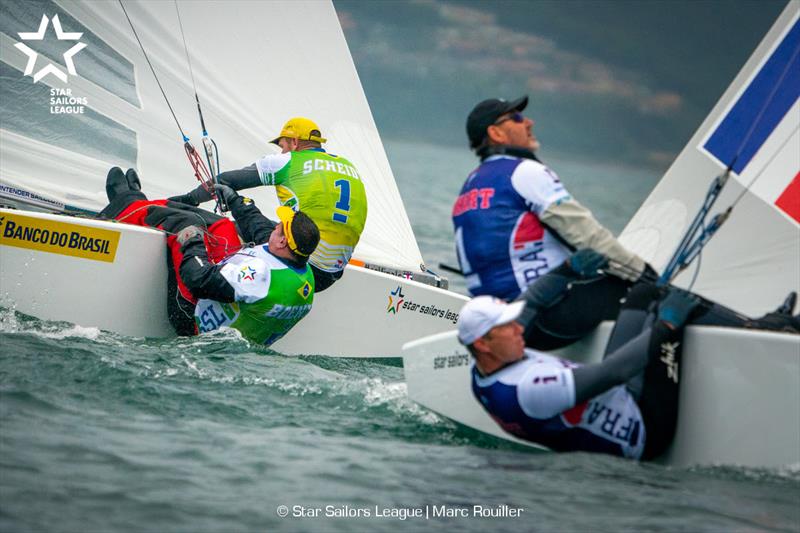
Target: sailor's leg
<point>635,315</point>
<point>221,235</point>
<point>658,401</point>
<point>120,194</point>
<point>180,309</point>
<point>323,279</point>
<point>714,314</point>
<point>561,309</point>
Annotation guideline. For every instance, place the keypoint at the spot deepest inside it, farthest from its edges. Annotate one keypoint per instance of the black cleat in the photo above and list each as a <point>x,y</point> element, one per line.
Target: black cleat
<point>116,183</point>
<point>787,307</point>
<point>133,180</point>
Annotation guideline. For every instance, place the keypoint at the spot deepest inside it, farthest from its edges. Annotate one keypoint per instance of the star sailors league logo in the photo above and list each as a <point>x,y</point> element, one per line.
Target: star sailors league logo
<point>395,300</point>
<point>50,68</point>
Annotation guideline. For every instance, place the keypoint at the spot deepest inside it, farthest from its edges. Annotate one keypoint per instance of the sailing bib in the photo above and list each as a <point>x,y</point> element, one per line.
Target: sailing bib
<point>534,399</point>
<point>502,245</point>
<point>271,297</point>
<point>328,189</point>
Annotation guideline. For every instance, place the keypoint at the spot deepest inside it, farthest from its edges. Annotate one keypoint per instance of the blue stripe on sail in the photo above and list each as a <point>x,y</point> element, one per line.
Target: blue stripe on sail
<point>735,127</point>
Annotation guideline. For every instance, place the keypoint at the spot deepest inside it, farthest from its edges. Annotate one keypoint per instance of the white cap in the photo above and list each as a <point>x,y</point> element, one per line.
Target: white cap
<point>481,314</point>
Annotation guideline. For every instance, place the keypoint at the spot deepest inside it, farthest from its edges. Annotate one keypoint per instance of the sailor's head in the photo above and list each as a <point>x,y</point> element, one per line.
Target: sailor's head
<point>488,327</point>
<point>296,233</point>
<point>299,133</point>
<point>499,122</point>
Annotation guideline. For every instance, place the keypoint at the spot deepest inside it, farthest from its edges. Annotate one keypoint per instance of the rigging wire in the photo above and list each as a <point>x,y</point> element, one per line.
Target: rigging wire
<point>209,146</point>
<point>153,70</point>
<point>691,245</point>
<point>766,104</point>
<point>199,168</point>
<point>766,165</point>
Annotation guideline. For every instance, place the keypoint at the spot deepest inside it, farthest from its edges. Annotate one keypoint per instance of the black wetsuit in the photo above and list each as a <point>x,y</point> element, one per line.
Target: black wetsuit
<point>562,307</point>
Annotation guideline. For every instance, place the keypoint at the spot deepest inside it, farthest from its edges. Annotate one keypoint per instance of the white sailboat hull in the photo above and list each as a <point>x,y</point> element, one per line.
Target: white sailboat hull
<point>127,294</point>
<point>739,395</point>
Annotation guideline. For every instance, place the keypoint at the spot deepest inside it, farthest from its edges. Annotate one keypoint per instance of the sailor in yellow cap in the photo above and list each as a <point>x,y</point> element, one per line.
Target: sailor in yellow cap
<point>327,187</point>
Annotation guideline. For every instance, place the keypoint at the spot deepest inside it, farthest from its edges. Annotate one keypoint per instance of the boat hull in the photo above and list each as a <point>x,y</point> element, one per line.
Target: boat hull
<point>365,314</point>
<point>739,395</point>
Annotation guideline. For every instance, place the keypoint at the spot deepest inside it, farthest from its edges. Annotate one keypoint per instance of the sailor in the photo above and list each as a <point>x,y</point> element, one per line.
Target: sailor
<point>626,405</point>
<point>327,187</point>
<point>262,288</point>
<point>515,224</point>
<point>515,221</point>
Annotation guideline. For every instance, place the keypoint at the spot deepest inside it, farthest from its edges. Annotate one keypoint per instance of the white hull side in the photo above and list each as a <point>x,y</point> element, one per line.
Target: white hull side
<point>739,398</point>
<point>128,296</point>
<point>352,318</point>
<point>125,296</point>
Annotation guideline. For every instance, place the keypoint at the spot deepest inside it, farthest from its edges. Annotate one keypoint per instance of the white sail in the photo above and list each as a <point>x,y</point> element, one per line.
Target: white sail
<point>256,64</point>
<point>754,259</point>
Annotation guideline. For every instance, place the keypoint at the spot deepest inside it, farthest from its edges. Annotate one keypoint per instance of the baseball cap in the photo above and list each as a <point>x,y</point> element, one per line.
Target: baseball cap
<point>301,232</point>
<point>485,114</point>
<point>481,314</point>
<point>301,128</point>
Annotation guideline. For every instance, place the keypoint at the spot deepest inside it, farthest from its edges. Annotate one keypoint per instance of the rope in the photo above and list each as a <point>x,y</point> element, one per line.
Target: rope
<point>185,138</point>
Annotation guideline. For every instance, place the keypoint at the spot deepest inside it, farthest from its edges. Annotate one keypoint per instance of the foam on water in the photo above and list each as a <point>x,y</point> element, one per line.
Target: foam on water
<point>395,396</point>
<point>210,433</point>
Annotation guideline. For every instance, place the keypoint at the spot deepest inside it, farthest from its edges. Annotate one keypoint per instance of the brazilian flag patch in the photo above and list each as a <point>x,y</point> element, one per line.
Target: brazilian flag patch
<point>305,290</point>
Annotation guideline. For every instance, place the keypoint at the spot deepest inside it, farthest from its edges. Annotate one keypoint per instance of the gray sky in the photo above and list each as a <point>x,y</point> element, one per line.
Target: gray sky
<point>615,80</point>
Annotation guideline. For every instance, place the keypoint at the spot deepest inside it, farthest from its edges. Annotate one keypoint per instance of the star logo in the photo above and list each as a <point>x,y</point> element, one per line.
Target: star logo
<point>247,273</point>
<point>39,36</point>
<point>395,299</point>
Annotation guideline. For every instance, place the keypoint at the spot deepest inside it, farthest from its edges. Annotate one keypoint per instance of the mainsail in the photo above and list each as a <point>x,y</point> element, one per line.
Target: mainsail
<point>754,259</point>
<point>255,63</point>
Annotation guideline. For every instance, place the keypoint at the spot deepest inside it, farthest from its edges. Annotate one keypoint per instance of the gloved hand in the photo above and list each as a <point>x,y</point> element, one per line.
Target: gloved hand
<point>187,199</point>
<point>675,309</point>
<point>587,262</point>
<point>188,233</point>
<point>227,194</point>
<point>648,275</point>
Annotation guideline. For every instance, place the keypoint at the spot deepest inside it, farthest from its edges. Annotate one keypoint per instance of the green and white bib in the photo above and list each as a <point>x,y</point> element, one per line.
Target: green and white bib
<point>328,189</point>
<point>271,297</point>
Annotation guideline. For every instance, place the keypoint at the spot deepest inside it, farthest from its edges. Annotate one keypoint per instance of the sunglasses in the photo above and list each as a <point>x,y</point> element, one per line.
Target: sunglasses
<point>516,116</point>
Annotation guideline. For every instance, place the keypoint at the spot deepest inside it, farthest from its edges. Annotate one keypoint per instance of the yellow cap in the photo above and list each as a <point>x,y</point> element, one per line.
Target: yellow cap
<point>301,128</point>
<point>286,214</point>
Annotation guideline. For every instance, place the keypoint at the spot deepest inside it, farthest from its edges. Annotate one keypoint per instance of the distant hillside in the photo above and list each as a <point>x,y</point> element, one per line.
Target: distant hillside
<point>624,80</point>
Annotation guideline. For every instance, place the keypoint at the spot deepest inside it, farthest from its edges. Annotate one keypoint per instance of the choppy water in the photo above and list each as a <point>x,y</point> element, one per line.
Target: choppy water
<point>101,432</point>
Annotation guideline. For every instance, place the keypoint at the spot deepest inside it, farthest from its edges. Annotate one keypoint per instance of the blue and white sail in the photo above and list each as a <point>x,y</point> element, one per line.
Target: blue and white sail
<point>753,261</point>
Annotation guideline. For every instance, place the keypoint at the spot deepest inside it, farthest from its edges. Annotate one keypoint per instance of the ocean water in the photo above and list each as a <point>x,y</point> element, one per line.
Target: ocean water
<point>102,432</point>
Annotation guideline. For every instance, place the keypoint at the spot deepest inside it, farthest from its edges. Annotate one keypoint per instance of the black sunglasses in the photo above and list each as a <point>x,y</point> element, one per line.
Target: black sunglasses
<point>516,116</point>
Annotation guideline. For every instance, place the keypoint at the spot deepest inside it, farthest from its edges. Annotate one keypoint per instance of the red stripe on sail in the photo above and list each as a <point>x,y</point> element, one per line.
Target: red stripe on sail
<point>789,200</point>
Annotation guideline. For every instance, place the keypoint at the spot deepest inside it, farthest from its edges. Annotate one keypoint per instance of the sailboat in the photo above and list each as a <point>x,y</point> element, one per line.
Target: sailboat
<point>78,97</point>
<point>740,389</point>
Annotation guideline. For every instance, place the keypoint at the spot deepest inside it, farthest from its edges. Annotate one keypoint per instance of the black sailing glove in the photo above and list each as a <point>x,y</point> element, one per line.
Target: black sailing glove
<point>227,194</point>
<point>586,263</point>
<point>187,199</point>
